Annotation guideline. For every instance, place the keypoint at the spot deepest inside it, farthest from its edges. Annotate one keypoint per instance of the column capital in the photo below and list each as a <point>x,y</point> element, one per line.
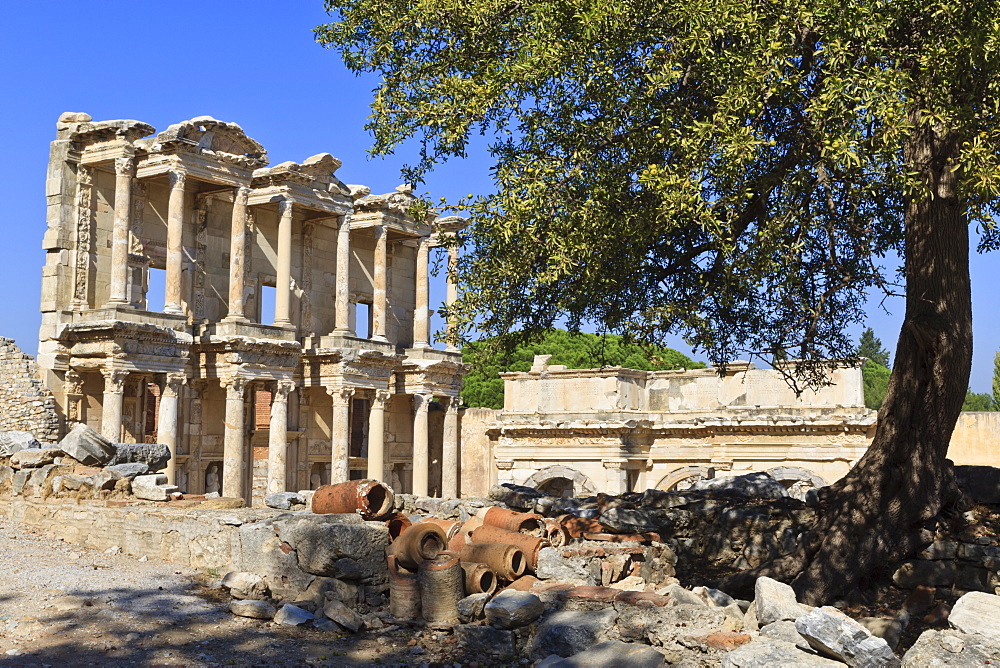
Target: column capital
<point>114,380</point>
<point>73,382</point>
<point>453,404</point>
<point>341,395</point>
<point>421,402</point>
<point>617,464</point>
<point>173,383</point>
<point>178,177</point>
<point>125,166</point>
<point>381,396</point>
<point>285,203</point>
<point>282,389</point>
<point>345,223</point>
<point>235,386</point>
<point>242,194</point>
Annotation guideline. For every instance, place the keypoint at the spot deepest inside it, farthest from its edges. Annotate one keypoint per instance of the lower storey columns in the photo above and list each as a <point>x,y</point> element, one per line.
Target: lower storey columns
<point>376,435</point>
<point>166,424</point>
<point>340,445</point>
<point>277,442</point>
<point>421,449</point>
<point>233,446</point>
<point>449,451</point>
<point>114,394</point>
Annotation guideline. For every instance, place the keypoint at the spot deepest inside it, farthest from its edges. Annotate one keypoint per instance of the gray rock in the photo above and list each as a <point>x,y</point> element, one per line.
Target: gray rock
<point>831,632</point>
<point>713,597</point>
<point>759,485</point>
<point>569,631</point>
<point>344,616</point>
<point>152,487</point>
<point>20,481</point>
<point>889,630</point>
<point>775,601</point>
<point>977,612</point>
<point>486,639</point>
<point>339,546</point>
<point>253,609</point>
<point>940,550</point>
<point>472,607</point>
<point>15,441</point>
<point>952,648</point>
<point>672,624</point>
<point>6,473</point>
<point>244,585</point>
<point>87,446</point>
<point>930,573</point>
<point>153,455</point>
<point>638,520</point>
<point>773,653</point>
<point>681,596</point>
<point>92,483</point>
<point>35,458</point>
<point>553,566</point>
<point>607,653</point>
<point>129,471</point>
<point>283,500</point>
<point>293,615</point>
<point>512,609</point>
<point>785,631</point>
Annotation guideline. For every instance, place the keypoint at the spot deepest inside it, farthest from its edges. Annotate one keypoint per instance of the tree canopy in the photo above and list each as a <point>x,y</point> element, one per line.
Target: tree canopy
<point>734,172</point>
<point>484,387</point>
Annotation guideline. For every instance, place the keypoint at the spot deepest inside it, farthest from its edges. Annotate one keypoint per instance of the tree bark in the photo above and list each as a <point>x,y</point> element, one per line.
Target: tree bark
<point>874,516</point>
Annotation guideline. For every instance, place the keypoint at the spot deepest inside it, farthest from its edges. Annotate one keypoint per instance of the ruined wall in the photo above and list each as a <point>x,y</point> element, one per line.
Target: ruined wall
<point>478,472</point>
<point>25,404</point>
<point>976,440</point>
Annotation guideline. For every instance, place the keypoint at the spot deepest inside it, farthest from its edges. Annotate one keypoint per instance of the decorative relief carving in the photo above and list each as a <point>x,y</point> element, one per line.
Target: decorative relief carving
<point>341,395</point>
<point>136,248</point>
<point>114,380</point>
<point>282,389</point>
<point>84,243</point>
<point>308,229</point>
<point>200,253</point>
<point>125,166</point>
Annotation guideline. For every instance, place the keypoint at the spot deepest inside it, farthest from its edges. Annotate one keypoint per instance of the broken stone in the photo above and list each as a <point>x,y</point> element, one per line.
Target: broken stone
<point>153,455</point>
<point>344,616</point>
<point>552,565</point>
<point>639,520</point>
<point>283,500</point>
<point>940,550</point>
<point>785,631</point>
<point>152,487</point>
<point>16,441</point>
<point>472,607</point>
<point>977,612</point>
<point>681,596</point>
<point>252,608</point>
<point>129,471</point>
<point>513,609</point>
<point>244,585</point>
<point>760,485</point>
<point>770,652</point>
<point>569,631</point>
<point>293,615</point>
<point>775,601</point>
<point>87,446</point>
<point>486,639</point>
<point>30,459</point>
<point>831,632</point>
<point>889,630</point>
<point>607,653</point>
<point>713,597</point>
<point>952,648</point>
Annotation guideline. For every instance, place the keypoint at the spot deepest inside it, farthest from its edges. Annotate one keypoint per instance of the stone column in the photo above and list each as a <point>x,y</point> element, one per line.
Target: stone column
<point>124,173</point>
<point>421,449</point>
<point>449,451</point>
<point>175,238</point>
<point>451,298</point>
<point>233,445</point>
<point>616,475</point>
<point>277,440</point>
<point>237,255</point>
<point>421,326</point>
<point>340,437</point>
<point>376,435</point>
<point>166,423</point>
<point>343,308</point>
<point>114,393</point>
<point>283,283</point>
<point>379,302</point>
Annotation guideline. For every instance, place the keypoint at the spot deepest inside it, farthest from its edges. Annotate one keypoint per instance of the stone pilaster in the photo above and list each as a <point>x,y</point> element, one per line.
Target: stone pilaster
<point>421,324</point>
<point>124,173</point>
<point>237,255</point>
<point>376,435</point>
<point>451,335</point>
<point>283,283</point>
<point>114,393</point>
<point>617,475</point>
<point>234,445</point>
<point>343,307</point>
<point>175,241</point>
<point>421,447</point>
<point>167,424</point>
<point>73,389</point>
<point>340,437</point>
<point>449,451</point>
<point>379,302</point>
<point>277,440</point>
<point>84,237</point>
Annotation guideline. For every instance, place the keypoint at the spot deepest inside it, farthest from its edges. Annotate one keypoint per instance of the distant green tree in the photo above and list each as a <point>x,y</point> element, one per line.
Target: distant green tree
<point>996,381</point>
<point>484,387</point>
<point>870,346</point>
<point>876,381</point>
<point>978,401</point>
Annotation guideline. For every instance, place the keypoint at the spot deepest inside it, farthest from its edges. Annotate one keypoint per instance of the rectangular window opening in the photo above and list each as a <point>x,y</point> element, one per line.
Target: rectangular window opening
<point>156,289</point>
<point>267,305</point>
<point>363,320</point>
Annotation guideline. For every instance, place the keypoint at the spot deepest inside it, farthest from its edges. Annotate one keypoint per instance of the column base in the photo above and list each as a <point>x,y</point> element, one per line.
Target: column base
<point>380,339</point>
<point>114,303</point>
<point>172,309</point>
<point>235,318</point>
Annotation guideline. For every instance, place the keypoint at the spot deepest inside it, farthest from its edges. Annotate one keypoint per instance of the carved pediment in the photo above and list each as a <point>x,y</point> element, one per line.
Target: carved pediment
<point>209,136</point>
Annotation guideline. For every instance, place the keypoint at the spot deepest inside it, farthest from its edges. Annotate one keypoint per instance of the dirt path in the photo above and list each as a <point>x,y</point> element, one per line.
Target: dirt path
<point>61,604</point>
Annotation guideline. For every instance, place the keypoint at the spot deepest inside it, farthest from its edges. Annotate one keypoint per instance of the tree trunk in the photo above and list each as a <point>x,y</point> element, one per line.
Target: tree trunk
<point>874,517</point>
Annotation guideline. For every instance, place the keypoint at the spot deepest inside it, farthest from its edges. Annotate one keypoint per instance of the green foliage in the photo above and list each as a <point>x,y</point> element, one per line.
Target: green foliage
<point>729,171</point>
<point>978,401</point>
<point>996,381</point>
<point>484,387</point>
<point>870,347</point>
<point>876,381</point>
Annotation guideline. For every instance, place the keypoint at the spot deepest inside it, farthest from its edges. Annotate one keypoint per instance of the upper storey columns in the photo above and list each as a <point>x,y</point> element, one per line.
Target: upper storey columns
<point>175,235</point>
<point>421,324</point>
<point>237,255</point>
<point>379,303</point>
<point>342,314</point>
<point>124,173</point>
<point>283,283</point>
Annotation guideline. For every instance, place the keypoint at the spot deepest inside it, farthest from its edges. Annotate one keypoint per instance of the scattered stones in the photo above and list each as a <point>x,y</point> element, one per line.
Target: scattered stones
<point>252,608</point>
<point>130,470</point>
<point>831,632</point>
<point>472,607</point>
<point>952,648</point>
<point>293,615</point>
<point>513,609</point>
<point>87,446</point>
<point>568,631</point>
<point>775,601</point>
<point>486,639</point>
<point>977,612</point>
<point>153,455</point>
<point>931,573</point>
<point>770,652</point>
<point>35,458</point>
<point>152,487</point>
<point>284,500</point>
<point>607,653</point>
<point>15,441</point>
<point>344,616</point>
<point>244,585</point>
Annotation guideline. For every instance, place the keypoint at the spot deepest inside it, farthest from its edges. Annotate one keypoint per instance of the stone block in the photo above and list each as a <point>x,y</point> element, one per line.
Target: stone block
<point>283,500</point>
<point>293,615</point>
<point>339,546</point>
<point>607,653</point>
<point>681,596</point>
<point>153,455</point>
<point>771,652</point>
<point>775,601</point>
<point>129,471</point>
<point>758,485</point>
<point>252,608</point>
<point>552,565</point>
<point>152,487</point>
<point>488,640</point>
<point>785,631</point>
<point>981,483</point>
<point>513,609</point>
<point>940,550</point>
<point>244,585</point>
<point>30,459</point>
<point>15,441</point>
<point>952,648</point>
<point>87,446</point>
<point>713,597</point>
<point>977,612</point>
<point>344,616</point>
<point>472,607</point>
<point>568,632</point>
<point>831,632</point>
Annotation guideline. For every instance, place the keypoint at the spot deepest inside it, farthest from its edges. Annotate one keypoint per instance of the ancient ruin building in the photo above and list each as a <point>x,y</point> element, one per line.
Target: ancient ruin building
<point>616,430</point>
<point>270,324</point>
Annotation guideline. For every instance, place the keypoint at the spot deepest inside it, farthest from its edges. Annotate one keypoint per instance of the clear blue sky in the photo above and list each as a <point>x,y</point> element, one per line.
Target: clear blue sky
<point>251,62</point>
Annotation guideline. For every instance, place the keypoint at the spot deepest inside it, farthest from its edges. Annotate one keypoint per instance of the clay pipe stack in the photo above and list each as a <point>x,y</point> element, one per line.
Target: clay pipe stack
<point>527,544</point>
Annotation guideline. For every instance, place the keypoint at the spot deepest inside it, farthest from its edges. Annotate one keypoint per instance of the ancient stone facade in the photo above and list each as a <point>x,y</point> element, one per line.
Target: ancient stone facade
<point>25,404</point>
<point>617,430</point>
<point>165,253</point>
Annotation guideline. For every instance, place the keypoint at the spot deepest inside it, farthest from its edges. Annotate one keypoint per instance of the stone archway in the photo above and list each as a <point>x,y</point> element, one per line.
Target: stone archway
<point>797,480</point>
<point>684,477</point>
<point>561,480</point>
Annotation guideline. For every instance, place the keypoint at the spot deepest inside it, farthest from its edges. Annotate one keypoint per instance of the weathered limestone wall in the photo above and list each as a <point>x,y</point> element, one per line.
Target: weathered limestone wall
<point>478,472</point>
<point>25,404</point>
<point>976,440</point>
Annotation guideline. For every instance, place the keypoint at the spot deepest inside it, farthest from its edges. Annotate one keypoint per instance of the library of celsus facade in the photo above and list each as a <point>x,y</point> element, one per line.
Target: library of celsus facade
<point>269,324</point>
